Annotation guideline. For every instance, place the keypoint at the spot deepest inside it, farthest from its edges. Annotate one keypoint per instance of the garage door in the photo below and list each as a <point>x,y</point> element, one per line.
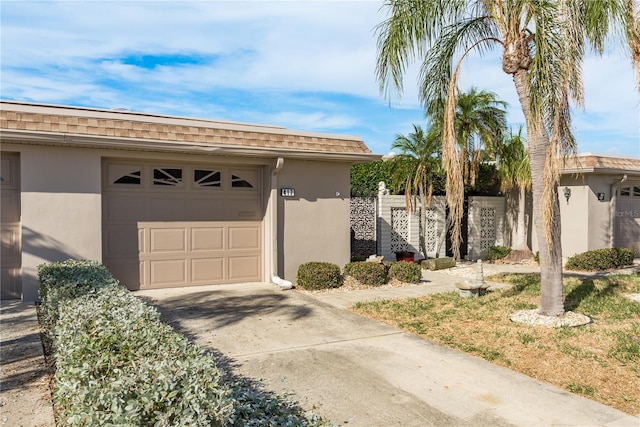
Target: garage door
<point>10,276</point>
<point>168,225</point>
<point>628,217</point>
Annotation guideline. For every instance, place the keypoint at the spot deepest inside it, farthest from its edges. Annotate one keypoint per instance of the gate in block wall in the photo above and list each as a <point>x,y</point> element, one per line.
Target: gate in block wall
<point>363,226</point>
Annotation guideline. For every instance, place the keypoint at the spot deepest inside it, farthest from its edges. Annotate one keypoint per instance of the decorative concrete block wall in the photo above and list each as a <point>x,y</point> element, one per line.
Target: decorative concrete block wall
<point>486,225</point>
<point>399,229</point>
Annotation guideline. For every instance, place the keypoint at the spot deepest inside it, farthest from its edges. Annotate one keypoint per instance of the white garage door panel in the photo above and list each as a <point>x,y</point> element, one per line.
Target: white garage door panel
<point>207,270</point>
<point>630,233</point>
<point>242,238</point>
<point>207,239</point>
<point>196,228</point>
<point>173,239</point>
<point>124,207</point>
<point>244,268</point>
<point>169,272</point>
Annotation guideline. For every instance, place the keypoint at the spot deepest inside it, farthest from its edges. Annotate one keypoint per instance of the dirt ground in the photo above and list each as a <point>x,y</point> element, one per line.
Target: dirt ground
<point>23,374</point>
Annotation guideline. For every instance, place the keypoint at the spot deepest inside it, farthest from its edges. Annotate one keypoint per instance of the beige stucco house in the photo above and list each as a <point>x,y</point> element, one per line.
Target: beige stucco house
<point>600,203</point>
<point>168,201</point>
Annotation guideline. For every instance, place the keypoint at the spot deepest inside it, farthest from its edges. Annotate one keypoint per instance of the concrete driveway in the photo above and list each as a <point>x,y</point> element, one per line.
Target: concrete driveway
<point>359,372</point>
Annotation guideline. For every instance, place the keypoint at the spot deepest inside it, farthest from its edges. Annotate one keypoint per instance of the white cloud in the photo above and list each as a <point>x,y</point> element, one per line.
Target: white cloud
<point>75,52</point>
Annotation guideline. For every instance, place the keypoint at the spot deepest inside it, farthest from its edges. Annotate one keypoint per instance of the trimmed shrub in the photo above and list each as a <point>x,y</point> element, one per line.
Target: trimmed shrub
<point>319,275</point>
<point>369,273</point>
<point>406,272</point>
<point>601,259</point>
<point>497,252</point>
<point>116,363</point>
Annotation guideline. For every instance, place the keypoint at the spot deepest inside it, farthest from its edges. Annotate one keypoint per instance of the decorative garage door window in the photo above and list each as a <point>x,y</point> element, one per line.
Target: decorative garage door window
<point>125,174</point>
<point>131,175</point>
<point>167,176</point>
<point>207,178</point>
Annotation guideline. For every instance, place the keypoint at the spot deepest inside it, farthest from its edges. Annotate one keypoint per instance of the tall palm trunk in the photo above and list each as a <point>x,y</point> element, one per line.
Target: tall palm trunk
<point>521,233</point>
<point>549,244</point>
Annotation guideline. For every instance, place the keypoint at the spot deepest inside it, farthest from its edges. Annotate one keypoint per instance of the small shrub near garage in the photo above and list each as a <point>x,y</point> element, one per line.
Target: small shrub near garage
<point>601,259</point>
<point>368,273</point>
<point>319,275</point>
<point>409,272</point>
<point>497,252</point>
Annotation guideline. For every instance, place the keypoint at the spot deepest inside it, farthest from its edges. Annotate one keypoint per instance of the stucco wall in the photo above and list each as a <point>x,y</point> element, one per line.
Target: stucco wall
<point>60,208</point>
<point>314,224</point>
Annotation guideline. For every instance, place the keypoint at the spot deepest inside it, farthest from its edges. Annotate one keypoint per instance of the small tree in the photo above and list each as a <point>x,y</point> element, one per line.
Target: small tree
<point>515,174</point>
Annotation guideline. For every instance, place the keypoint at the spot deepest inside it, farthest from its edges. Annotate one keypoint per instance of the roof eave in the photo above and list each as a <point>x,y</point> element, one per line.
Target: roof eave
<point>163,146</point>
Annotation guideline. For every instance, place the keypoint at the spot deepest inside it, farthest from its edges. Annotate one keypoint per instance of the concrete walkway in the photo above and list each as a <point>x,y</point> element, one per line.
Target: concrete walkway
<point>359,372</point>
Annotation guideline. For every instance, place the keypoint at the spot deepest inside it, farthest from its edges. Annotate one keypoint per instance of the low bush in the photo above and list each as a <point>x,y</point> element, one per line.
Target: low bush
<point>497,252</point>
<point>319,275</point>
<point>406,272</point>
<point>116,363</point>
<point>601,259</point>
<point>369,273</point>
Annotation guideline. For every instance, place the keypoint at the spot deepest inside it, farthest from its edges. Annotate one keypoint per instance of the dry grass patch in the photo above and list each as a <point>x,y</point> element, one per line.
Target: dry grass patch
<point>600,361</point>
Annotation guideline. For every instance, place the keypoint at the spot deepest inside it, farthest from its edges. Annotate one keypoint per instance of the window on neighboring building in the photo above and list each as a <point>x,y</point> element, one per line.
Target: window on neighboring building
<point>625,191</point>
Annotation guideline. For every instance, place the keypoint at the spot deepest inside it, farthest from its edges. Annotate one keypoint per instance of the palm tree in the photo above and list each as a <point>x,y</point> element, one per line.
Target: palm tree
<point>418,162</point>
<point>480,122</point>
<point>515,174</point>
<point>542,45</point>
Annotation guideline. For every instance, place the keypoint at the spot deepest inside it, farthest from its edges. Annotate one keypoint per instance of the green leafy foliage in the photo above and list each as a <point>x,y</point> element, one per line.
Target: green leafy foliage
<point>601,259</point>
<point>369,273</point>
<point>116,363</point>
<point>319,275</point>
<point>409,272</point>
<point>497,252</point>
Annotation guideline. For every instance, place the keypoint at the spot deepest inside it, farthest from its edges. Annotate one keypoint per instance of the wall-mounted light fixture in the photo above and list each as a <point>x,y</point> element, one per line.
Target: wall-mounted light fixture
<point>601,197</point>
<point>287,192</point>
<point>567,194</point>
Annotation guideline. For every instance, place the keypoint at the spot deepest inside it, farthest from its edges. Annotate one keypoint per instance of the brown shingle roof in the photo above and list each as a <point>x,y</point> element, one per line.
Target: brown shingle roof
<point>591,163</point>
<point>84,122</point>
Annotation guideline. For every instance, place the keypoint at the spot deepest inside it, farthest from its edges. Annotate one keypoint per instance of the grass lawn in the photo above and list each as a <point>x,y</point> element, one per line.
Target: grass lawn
<point>600,361</point>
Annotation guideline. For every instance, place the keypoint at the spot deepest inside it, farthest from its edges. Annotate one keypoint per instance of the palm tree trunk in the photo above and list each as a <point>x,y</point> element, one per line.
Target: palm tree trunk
<point>521,234</point>
<point>552,300</point>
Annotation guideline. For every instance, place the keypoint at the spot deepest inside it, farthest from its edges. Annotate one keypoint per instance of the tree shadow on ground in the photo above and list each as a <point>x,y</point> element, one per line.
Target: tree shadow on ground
<point>222,308</point>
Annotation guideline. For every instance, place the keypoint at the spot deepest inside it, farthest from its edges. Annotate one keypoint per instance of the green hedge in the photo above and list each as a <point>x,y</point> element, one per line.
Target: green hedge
<point>117,363</point>
<point>369,273</point>
<point>319,275</point>
<point>601,259</point>
<point>498,252</point>
<point>409,272</point>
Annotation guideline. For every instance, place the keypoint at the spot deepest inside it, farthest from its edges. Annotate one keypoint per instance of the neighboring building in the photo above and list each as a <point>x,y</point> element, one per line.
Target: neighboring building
<point>600,203</point>
<point>168,201</point>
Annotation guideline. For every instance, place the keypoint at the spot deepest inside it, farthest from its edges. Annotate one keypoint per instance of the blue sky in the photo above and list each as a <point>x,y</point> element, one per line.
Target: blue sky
<point>301,64</point>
